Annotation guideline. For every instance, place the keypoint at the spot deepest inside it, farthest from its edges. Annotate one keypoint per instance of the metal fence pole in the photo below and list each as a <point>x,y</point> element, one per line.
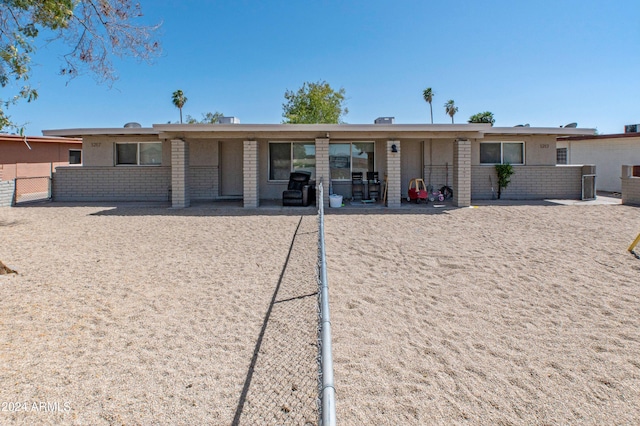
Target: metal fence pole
<point>326,358</point>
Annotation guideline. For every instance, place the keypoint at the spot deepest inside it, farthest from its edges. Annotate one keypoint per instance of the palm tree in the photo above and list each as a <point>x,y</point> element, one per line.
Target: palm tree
<point>451,109</point>
<point>427,94</point>
<point>179,99</point>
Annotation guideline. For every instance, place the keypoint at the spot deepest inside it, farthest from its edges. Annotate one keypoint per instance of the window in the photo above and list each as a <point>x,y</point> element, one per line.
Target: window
<point>287,157</point>
<point>345,158</point>
<point>561,156</point>
<point>75,156</point>
<point>139,154</point>
<point>502,152</point>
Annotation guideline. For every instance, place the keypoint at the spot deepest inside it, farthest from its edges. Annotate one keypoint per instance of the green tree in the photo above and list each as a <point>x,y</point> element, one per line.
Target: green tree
<point>482,117</point>
<point>94,31</point>
<point>451,109</point>
<point>207,118</point>
<point>427,94</point>
<point>314,103</point>
<point>179,99</point>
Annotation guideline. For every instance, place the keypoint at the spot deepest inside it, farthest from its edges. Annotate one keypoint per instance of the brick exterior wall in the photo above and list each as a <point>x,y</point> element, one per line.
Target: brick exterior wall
<point>251,187</point>
<point>7,188</point>
<point>205,182</point>
<point>111,183</point>
<point>462,173</point>
<point>322,169</point>
<point>529,182</point>
<point>394,185</point>
<point>630,187</point>
<point>180,196</point>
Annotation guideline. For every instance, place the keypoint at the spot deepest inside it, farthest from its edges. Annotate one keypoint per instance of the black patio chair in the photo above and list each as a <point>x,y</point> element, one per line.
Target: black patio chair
<point>299,191</point>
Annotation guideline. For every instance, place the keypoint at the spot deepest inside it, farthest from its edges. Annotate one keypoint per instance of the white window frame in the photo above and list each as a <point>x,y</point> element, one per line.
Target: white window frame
<point>138,144</point>
<point>291,159</point>
<point>75,150</point>
<point>524,151</point>
<point>350,143</point>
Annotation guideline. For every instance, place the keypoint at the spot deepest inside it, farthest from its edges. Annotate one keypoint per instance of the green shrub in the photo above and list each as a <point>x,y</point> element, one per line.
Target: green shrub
<point>504,172</point>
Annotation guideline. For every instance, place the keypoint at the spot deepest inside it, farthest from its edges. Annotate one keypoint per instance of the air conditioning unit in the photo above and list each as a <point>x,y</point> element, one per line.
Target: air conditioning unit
<point>228,120</point>
<point>631,128</point>
<point>384,120</point>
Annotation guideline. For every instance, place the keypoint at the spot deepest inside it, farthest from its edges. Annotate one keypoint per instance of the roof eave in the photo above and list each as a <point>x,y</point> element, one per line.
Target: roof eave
<point>555,131</point>
<point>78,133</point>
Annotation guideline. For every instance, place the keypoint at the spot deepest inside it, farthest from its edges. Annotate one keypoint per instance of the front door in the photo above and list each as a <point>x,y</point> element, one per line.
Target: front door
<point>411,163</point>
<point>231,168</point>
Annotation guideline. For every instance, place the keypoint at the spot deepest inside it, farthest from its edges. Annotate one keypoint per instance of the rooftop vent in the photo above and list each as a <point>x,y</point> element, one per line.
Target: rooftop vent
<point>132,125</point>
<point>384,120</point>
<point>228,120</point>
<point>632,128</point>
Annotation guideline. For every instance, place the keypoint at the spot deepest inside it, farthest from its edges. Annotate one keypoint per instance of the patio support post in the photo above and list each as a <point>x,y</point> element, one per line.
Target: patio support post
<point>250,181</point>
<point>180,174</point>
<point>322,168</point>
<point>394,186</point>
<point>462,173</point>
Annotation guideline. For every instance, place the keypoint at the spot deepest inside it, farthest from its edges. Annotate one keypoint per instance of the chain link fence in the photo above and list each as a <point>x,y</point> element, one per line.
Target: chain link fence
<point>30,189</point>
<point>326,389</point>
<point>281,385</point>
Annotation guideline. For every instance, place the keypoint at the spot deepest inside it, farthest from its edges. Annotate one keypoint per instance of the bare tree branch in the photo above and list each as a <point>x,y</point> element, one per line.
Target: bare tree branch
<point>95,31</point>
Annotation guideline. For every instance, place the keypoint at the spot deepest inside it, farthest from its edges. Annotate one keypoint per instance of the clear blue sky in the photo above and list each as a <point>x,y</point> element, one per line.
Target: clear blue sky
<point>547,63</point>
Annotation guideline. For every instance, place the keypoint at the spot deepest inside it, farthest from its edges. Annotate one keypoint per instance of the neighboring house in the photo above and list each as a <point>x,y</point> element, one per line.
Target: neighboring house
<point>29,156</point>
<point>607,152</point>
<point>252,162</point>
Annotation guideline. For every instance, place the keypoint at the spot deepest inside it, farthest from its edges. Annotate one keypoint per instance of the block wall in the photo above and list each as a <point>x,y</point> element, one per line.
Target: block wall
<point>462,173</point>
<point>204,181</point>
<point>630,187</point>
<point>394,175</point>
<point>7,189</point>
<point>529,182</point>
<point>251,188</point>
<point>180,195</point>
<point>111,183</point>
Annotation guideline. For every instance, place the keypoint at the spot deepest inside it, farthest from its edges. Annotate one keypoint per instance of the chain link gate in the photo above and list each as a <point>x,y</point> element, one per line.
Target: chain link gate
<point>29,189</point>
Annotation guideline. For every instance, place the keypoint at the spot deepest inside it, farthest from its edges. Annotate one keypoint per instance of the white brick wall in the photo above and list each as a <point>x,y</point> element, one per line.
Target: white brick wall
<point>251,188</point>
<point>180,196</point>
<point>111,183</point>
<point>394,175</point>
<point>630,187</point>
<point>7,188</point>
<point>529,182</point>
<point>204,181</point>
<point>462,173</point>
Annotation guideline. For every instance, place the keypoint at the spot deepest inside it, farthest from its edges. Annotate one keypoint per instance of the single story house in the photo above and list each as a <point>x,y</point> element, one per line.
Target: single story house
<point>252,162</point>
<point>607,152</point>
<point>30,156</point>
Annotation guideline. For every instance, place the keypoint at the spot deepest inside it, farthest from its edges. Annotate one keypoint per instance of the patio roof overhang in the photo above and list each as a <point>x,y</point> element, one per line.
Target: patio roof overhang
<point>313,131</point>
<point>104,131</point>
